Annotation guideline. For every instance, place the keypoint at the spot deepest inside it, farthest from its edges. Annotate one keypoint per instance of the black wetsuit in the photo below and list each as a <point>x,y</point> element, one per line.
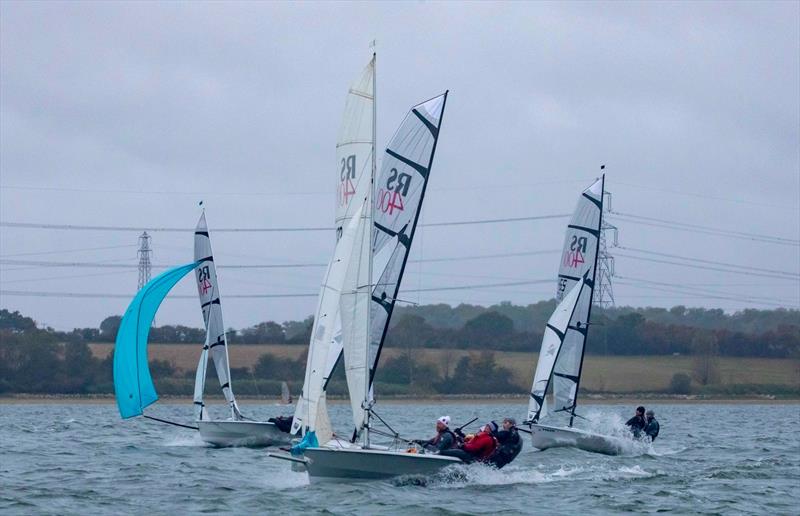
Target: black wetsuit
<point>652,429</point>
<point>282,423</point>
<point>636,424</point>
<point>510,444</point>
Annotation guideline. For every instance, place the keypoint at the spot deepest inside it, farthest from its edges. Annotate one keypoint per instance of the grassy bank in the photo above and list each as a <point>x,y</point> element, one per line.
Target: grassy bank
<point>738,376</point>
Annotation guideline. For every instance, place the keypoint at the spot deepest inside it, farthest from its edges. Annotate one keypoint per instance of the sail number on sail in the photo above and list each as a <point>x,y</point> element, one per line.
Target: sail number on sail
<point>391,197</point>
<point>204,279</point>
<point>346,188</point>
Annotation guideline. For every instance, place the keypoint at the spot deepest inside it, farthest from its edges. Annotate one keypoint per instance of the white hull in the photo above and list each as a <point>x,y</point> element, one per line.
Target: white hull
<point>242,433</point>
<point>544,437</point>
<point>356,464</point>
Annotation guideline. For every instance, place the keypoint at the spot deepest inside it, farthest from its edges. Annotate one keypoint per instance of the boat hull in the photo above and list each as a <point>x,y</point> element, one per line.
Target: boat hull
<point>544,437</point>
<point>356,464</point>
<point>242,433</point>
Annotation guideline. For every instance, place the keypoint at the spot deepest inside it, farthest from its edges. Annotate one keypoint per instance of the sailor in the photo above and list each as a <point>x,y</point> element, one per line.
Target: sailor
<point>652,426</point>
<point>444,439</point>
<point>509,444</point>
<point>637,423</point>
<point>282,423</point>
<point>478,447</point>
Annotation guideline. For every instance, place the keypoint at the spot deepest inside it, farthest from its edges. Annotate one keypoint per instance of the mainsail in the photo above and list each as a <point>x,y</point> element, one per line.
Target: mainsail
<point>578,260</point>
<point>398,194</point>
<point>133,384</point>
<point>216,342</point>
<point>555,333</point>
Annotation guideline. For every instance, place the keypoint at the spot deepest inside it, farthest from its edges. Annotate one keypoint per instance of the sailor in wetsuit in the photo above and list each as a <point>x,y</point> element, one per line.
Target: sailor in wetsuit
<point>444,439</point>
<point>478,447</point>
<point>652,427</point>
<point>637,423</point>
<point>509,444</point>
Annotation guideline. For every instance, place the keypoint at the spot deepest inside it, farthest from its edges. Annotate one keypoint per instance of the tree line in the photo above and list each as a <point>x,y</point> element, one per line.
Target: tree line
<point>620,331</point>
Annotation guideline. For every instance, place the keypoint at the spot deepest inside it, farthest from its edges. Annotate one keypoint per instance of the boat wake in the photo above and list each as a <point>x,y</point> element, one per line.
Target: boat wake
<point>463,476</point>
<point>187,440</point>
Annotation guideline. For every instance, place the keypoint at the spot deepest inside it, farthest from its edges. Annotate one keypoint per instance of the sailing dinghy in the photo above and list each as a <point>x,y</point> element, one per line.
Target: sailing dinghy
<point>381,222</point>
<point>237,430</point>
<point>564,343</point>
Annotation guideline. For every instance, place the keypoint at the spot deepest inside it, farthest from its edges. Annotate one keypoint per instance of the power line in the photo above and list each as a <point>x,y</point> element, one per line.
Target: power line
<point>30,293</point>
<point>702,196</point>
<point>677,290</point>
<point>652,221</point>
<point>705,267</point>
<point>70,250</point>
<point>79,227</point>
<point>694,288</point>
<point>746,267</point>
<point>101,265</point>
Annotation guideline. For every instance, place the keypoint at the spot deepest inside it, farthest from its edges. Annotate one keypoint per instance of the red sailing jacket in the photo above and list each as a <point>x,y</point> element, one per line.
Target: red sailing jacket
<point>481,446</point>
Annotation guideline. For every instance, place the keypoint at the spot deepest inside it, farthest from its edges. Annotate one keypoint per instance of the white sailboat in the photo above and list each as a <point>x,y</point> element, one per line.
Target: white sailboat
<point>564,343</point>
<point>381,219</point>
<point>236,430</point>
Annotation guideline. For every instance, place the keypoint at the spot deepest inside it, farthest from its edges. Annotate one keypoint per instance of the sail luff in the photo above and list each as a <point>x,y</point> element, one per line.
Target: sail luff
<point>591,297</point>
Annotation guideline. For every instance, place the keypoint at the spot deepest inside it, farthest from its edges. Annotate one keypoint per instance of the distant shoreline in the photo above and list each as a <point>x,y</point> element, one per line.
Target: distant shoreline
<point>627,399</point>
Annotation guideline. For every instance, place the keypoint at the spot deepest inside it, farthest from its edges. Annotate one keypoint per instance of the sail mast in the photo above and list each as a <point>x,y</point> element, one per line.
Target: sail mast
<point>370,217</point>
<point>591,297</point>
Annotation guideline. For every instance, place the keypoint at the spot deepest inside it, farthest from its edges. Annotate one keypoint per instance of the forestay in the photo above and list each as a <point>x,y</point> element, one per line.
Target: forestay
<point>216,344</point>
<point>578,260</point>
<point>133,384</point>
<point>558,327</point>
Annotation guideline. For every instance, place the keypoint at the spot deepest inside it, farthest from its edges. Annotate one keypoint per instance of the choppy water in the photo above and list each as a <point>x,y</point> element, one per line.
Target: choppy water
<point>78,459</point>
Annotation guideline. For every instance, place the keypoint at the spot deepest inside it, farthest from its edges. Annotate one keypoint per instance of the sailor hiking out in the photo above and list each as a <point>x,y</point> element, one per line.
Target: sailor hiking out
<point>509,444</point>
<point>478,447</point>
<point>637,423</point>
<point>652,427</point>
<point>444,439</point>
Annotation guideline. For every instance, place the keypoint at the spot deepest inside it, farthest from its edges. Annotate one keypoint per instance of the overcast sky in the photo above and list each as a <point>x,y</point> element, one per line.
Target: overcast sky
<point>129,114</point>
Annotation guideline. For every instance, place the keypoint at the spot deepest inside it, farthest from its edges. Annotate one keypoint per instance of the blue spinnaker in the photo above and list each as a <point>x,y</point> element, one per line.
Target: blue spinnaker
<point>132,382</point>
<point>309,441</point>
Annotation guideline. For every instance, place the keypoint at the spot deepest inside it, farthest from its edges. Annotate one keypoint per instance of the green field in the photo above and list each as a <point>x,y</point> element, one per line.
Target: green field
<point>611,374</point>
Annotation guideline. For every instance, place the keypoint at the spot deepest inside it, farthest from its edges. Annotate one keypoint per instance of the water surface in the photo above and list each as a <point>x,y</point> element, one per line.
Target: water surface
<point>710,459</point>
